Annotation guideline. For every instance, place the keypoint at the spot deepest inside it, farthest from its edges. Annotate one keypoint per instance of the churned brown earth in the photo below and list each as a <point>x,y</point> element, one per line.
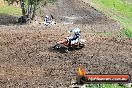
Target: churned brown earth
<point>27,62</point>
<point>80,14</point>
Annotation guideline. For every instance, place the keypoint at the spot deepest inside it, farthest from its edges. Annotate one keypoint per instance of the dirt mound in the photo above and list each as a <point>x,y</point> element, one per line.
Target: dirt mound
<point>76,11</point>
<point>80,14</point>
<point>8,19</point>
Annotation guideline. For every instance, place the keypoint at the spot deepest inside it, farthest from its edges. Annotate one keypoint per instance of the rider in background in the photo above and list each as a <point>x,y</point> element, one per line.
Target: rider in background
<point>74,38</point>
<point>47,19</point>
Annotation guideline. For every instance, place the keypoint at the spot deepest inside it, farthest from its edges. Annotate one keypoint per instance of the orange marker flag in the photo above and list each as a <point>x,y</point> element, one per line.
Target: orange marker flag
<point>81,71</point>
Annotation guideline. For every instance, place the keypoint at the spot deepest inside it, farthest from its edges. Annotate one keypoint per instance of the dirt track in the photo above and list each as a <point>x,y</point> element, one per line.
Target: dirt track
<point>82,15</point>
<point>26,61</point>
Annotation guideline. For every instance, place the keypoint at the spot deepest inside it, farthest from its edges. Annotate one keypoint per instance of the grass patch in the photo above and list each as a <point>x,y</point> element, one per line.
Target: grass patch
<point>118,6</point>
<point>9,9</point>
<point>126,33</point>
<point>104,86</point>
<point>118,10</point>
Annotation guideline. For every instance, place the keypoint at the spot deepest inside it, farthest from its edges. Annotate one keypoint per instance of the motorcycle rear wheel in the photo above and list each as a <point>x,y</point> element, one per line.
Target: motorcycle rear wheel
<point>61,48</point>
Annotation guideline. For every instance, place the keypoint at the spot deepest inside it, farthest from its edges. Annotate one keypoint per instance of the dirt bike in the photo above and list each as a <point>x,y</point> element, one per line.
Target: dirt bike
<point>67,46</point>
<point>48,23</point>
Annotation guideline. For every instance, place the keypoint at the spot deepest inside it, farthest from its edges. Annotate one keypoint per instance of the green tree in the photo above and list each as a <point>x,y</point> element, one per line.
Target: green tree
<point>29,7</point>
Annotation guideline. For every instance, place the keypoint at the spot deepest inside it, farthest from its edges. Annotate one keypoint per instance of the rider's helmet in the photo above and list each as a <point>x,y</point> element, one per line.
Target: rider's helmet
<point>46,16</point>
<point>76,31</point>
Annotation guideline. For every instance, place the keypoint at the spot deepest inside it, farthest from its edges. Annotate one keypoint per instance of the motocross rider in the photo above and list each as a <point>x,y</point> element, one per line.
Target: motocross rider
<point>47,19</point>
<point>74,39</point>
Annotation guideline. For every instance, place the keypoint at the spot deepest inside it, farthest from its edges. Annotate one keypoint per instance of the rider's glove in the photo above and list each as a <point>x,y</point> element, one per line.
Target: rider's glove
<point>69,31</point>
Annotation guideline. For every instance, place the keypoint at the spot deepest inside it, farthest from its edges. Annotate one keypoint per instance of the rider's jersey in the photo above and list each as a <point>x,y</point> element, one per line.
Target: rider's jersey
<point>74,39</point>
<point>46,19</point>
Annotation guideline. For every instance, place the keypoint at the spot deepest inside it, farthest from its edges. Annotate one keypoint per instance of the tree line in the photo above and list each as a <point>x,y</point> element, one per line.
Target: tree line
<point>28,8</point>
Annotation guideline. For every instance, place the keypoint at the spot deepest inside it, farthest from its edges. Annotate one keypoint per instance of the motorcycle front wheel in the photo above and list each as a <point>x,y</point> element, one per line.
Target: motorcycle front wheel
<point>81,45</point>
